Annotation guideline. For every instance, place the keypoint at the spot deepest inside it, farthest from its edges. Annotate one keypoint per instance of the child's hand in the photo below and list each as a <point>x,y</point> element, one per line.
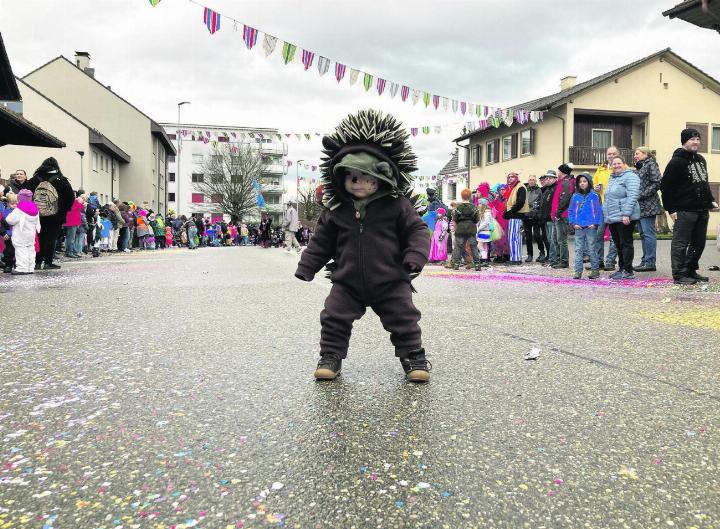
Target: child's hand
<point>577,227</point>
<point>591,227</point>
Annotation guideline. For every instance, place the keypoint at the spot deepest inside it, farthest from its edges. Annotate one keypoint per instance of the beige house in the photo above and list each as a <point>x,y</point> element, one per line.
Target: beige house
<point>647,102</point>
<point>98,167</point>
<point>73,87</point>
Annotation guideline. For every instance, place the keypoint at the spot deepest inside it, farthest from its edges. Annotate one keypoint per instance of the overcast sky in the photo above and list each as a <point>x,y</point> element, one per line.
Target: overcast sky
<point>493,52</point>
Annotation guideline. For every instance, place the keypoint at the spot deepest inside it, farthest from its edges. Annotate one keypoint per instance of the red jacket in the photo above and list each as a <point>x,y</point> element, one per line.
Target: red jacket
<point>72,217</point>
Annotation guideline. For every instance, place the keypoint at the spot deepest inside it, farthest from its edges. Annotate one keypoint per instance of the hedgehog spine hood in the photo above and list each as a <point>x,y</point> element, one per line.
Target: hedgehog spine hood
<point>371,131</point>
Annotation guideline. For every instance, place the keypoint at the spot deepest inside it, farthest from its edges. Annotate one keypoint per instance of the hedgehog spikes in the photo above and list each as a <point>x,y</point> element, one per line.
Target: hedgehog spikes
<point>378,133</point>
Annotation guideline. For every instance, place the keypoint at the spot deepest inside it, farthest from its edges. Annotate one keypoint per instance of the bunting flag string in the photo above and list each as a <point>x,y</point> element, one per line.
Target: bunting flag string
<point>154,2</point>
<point>323,65</point>
<point>307,58</point>
<point>269,43</point>
<point>212,20</point>
<point>288,53</point>
<point>250,36</point>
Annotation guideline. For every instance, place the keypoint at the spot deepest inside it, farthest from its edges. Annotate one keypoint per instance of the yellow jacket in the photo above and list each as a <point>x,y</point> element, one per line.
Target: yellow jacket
<point>602,176</point>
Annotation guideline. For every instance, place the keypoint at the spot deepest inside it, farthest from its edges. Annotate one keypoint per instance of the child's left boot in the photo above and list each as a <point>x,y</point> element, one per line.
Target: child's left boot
<point>416,367</point>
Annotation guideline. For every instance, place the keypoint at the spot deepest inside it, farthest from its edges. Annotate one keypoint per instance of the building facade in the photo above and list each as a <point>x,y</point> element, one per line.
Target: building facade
<point>453,178</point>
<point>198,143</point>
<point>646,103</point>
<point>73,87</point>
<point>97,169</point>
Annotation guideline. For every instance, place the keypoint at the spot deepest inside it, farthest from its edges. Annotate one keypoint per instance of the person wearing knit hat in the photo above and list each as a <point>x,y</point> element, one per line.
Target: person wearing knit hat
<point>559,213</point>
<point>687,197</point>
<point>438,245</point>
<point>25,220</point>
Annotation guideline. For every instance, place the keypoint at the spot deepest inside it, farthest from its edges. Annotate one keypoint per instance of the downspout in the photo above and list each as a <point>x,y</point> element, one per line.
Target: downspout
<point>467,160</point>
<point>562,158</point>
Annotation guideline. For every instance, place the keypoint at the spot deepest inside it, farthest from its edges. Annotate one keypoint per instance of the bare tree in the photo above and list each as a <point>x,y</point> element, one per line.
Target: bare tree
<point>308,208</point>
<point>228,180</point>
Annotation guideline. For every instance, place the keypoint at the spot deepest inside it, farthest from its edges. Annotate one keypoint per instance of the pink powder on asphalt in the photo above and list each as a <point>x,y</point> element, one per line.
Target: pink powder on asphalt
<point>528,278</point>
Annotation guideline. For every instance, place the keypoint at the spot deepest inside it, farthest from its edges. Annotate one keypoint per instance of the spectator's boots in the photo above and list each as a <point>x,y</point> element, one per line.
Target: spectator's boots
<point>577,275</point>
<point>697,277</point>
<point>52,266</point>
<point>560,264</point>
<point>529,259</point>
<point>38,266</point>
<point>645,268</point>
<point>416,367</point>
<point>478,267</point>
<point>684,280</point>
<point>328,367</point>
<point>609,267</point>
<point>594,274</point>
<point>456,266</point>
<point>7,269</point>
<point>95,252</point>
<point>541,258</point>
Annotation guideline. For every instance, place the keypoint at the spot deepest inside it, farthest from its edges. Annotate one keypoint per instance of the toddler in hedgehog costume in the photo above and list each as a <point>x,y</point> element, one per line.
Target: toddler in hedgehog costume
<point>375,236</point>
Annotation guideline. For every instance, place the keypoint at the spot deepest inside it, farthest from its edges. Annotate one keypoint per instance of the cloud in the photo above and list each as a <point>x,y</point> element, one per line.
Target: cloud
<point>496,52</point>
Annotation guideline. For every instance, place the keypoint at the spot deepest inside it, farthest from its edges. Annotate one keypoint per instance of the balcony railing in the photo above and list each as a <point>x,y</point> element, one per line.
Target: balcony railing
<point>596,155</point>
<point>273,168</point>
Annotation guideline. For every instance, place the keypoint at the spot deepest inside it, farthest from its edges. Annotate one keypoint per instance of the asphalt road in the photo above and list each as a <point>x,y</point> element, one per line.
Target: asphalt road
<point>174,389</point>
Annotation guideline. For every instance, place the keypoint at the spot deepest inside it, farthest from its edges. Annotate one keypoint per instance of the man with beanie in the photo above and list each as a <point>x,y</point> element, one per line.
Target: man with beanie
<point>433,201</point>
<point>516,207</point>
<point>533,227</point>
<point>687,198</point>
<point>548,181</point>
<point>559,213</point>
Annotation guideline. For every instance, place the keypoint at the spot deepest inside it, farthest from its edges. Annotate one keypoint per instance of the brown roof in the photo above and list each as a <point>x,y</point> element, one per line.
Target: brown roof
<point>8,87</point>
<point>16,130</point>
<point>694,12</point>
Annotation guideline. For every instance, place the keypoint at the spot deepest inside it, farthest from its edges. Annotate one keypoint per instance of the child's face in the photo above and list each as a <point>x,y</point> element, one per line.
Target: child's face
<point>584,184</point>
<point>359,184</point>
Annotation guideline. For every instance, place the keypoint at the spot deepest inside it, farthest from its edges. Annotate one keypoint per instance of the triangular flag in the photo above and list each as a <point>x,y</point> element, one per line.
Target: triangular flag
<point>426,130</point>
<point>298,136</point>
<point>307,136</point>
<point>340,70</point>
<point>415,96</point>
<point>250,36</point>
<point>307,59</point>
<point>414,131</point>
<point>455,105</point>
<point>436,101</point>
<point>404,93</point>
<point>367,81</point>
<point>354,76</point>
<point>463,107</point>
<point>393,89</point>
<point>438,129</point>
<point>269,43</point>
<point>212,20</point>
<point>426,98</point>
<point>288,53</point>
<point>154,2</point>
<point>471,109</point>
<point>534,116</point>
<point>380,86</point>
<point>323,65</point>
<point>445,103</point>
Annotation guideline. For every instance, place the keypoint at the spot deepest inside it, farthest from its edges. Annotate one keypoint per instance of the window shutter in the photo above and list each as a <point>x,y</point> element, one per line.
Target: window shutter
<point>479,155</point>
<point>497,151</point>
<point>514,146</point>
<point>703,130</point>
<point>532,141</point>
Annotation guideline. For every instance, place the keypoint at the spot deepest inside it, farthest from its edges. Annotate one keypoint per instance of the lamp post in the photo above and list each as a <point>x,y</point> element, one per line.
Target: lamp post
<point>297,179</point>
<point>82,176</point>
<point>177,161</point>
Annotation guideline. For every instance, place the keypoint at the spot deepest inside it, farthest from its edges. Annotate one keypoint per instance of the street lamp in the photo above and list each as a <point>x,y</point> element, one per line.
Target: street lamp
<point>81,153</point>
<point>177,162</point>
<point>297,179</point>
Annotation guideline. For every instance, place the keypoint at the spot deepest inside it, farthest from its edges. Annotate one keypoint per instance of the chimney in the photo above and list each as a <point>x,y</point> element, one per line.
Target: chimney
<point>567,82</point>
<point>82,61</point>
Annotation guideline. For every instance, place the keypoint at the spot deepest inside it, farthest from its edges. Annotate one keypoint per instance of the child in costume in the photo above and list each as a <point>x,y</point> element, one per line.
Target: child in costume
<point>438,248</point>
<point>25,220</point>
<point>168,237</point>
<point>375,236</point>
<point>483,230</point>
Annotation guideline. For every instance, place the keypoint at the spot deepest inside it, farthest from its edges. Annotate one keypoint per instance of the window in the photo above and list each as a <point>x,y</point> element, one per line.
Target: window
<point>172,136</point>
<point>216,198</point>
<point>642,134</point>
<point>527,142</point>
<point>476,156</point>
<point>217,179</point>
<point>492,150</point>
<point>702,128</point>
<point>95,161</point>
<point>171,177</point>
<point>217,158</point>
<point>198,198</point>
<point>602,138</point>
<point>507,148</point>
<point>171,197</point>
<point>452,191</point>
<point>171,158</point>
<point>716,140</point>
<point>198,178</point>
<point>198,158</point>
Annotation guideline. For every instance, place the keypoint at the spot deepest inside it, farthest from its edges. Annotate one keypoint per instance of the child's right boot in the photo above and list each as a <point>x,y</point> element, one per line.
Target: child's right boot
<point>328,367</point>
<point>416,367</point>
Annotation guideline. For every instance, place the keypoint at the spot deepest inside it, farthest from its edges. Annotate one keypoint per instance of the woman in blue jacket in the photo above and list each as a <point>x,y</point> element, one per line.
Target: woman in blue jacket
<point>621,210</point>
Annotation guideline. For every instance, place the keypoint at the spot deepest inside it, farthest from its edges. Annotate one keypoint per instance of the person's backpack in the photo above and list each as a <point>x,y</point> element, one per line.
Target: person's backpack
<point>46,198</point>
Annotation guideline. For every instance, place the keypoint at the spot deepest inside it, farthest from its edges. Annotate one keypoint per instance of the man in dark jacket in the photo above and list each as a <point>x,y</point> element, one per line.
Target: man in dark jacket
<point>559,213</point>
<point>433,201</point>
<point>50,225</point>
<point>687,198</point>
<point>533,227</point>
<point>376,238</point>
<point>17,182</point>
<point>548,181</point>
<point>465,216</point>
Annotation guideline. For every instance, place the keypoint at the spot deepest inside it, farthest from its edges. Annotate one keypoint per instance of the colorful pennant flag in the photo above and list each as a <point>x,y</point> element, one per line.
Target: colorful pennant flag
<point>288,53</point>
<point>307,59</point>
<point>380,86</point>
<point>445,103</point>
<point>269,43</point>
<point>414,131</point>
<point>250,36</point>
<point>323,65</point>
<point>212,20</point>
<point>340,70</point>
<point>426,130</point>
<point>393,89</point>
<point>436,101</point>
<point>426,98</point>
<point>404,93</point>
<point>455,105</point>
<point>463,107</point>
<point>367,81</point>
<point>415,96</point>
<point>154,2</point>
